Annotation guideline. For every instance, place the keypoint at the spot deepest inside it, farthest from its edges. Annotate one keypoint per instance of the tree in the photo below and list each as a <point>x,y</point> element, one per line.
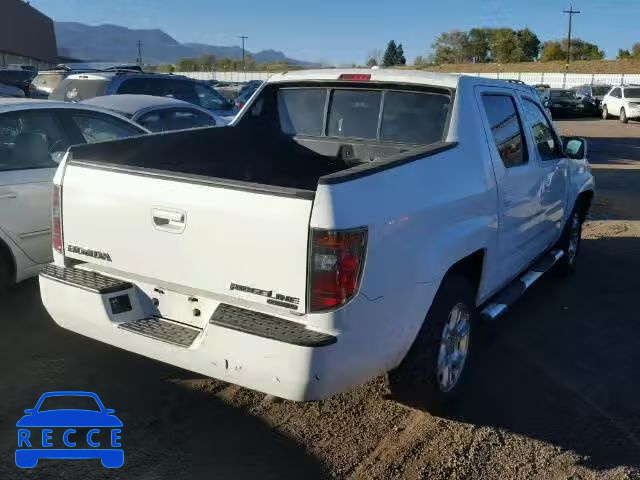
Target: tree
<point>529,45</point>
<point>420,61</point>
<point>400,58</point>
<point>187,65</point>
<point>390,54</point>
<point>553,50</point>
<point>623,54</point>
<point>505,46</point>
<point>451,47</point>
<point>478,44</point>
<point>580,50</point>
<point>372,62</point>
<point>635,50</point>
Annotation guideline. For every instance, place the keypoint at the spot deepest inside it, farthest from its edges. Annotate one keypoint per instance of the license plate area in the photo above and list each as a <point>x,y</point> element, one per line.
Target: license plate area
<point>187,309</point>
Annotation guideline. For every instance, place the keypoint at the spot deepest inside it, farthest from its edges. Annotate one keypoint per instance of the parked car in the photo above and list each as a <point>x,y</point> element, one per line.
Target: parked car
<point>564,103</point>
<point>246,92</point>
<point>157,114</point>
<point>46,81</point>
<point>543,90</point>
<point>16,78</point>
<point>76,88</point>
<point>34,135</point>
<point>11,91</point>
<point>317,244</point>
<point>597,91</point>
<point>622,102</point>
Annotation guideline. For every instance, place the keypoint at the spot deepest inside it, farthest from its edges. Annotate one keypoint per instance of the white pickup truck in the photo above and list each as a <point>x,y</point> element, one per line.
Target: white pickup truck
<point>348,224</point>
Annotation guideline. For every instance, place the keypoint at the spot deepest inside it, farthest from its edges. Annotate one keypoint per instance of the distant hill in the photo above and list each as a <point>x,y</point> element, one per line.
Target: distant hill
<point>112,43</point>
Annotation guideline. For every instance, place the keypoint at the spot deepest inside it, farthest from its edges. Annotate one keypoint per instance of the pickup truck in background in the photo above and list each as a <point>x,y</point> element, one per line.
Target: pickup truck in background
<point>349,223</point>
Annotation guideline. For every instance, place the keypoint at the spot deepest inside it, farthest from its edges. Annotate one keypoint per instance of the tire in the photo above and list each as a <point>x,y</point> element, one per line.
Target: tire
<point>570,244</point>
<point>605,113</point>
<point>5,273</point>
<point>422,380</point>
<point>623,116</point>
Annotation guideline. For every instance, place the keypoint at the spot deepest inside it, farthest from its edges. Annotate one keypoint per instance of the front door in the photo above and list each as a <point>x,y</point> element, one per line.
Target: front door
<point>518,177</point>
<point>554,167</point>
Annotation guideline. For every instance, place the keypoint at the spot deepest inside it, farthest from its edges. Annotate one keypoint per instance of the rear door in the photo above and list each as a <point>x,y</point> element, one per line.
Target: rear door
<point>519,180</point>
<point>30,140</point>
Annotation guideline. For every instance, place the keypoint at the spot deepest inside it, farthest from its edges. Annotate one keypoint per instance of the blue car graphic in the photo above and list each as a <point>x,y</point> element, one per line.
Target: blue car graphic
<point>35,432</point>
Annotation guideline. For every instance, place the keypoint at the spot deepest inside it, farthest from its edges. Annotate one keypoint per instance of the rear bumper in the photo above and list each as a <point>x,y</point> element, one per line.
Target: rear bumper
<point>318,366</point>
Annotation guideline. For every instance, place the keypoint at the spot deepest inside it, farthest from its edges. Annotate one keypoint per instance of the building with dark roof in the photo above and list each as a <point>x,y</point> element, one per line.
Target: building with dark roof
<point>27,36</point>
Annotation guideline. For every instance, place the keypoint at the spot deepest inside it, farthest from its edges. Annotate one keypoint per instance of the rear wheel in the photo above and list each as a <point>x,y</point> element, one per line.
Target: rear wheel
<point>623,116</point>
<point>432,374</point>
<point>605,113</point>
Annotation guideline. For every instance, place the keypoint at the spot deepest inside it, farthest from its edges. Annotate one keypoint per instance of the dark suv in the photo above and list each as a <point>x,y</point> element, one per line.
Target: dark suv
<point>87,85</point>
<point>16,78</point>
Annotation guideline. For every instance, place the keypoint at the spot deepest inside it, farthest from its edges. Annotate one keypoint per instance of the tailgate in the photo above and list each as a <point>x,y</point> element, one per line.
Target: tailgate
<point>190,232</point>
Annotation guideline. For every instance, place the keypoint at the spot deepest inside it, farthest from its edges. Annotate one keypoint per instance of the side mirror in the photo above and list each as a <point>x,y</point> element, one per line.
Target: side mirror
<point>29,411</point>
<point>575,148</point>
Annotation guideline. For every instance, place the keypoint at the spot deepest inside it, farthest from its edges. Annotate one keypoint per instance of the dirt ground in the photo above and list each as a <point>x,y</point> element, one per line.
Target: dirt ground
<point>554,391</point>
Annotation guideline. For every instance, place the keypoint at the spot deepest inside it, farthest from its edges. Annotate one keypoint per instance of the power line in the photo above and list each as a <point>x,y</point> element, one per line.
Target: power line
<point>571,13</point>
<point>243,38</point>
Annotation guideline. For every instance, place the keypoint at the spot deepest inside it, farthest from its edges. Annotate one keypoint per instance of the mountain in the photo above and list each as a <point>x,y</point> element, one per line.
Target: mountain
<point>112,43</point>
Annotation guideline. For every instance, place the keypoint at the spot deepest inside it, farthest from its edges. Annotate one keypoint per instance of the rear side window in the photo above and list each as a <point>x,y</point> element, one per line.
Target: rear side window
<point>95,127</point>
<point>76,90</point>
<point>301,110</point>
<point>30,139</point>
<point>175,119</point>
<point>506,129</point>
<point>412,117</point>
<point>354,114</point>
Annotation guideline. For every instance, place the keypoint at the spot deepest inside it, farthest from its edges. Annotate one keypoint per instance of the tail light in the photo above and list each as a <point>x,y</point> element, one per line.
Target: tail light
<point>336,259</point>
<point>56,216</point>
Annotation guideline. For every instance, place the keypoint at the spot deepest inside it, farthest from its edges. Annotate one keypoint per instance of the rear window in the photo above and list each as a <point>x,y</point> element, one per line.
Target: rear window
<point>160,87</point>
<point>48,80</point>
<point>411,117</point>
<point>301,110</point>
<point>632,92</point>
<point>76,90</point>
<point>354,113</point>
<point>385,115</point>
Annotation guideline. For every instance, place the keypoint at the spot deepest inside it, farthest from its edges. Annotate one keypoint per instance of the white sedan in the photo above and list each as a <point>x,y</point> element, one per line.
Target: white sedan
<point>158,114</point>
<point>34,135</point>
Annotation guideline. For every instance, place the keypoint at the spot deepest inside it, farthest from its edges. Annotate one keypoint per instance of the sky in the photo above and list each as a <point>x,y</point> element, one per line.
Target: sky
<point>345,31</point>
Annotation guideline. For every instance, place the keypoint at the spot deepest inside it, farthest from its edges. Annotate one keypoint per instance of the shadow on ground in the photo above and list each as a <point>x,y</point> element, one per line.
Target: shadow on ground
<point>568,375</point>
<point>169,431</point>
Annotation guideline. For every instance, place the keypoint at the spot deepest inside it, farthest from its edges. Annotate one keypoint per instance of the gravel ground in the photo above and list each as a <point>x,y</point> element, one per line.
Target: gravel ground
<point>553,395</point>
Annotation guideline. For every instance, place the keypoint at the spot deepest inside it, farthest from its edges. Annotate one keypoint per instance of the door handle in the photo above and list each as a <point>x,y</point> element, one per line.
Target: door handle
<point>8,195</point>
<point>169,220</point>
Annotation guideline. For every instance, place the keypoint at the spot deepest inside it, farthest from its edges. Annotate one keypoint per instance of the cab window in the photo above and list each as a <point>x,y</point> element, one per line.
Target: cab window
<point>506,128</point>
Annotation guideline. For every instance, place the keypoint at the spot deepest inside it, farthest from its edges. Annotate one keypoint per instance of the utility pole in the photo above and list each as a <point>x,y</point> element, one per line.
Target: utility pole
<point>140,52</point>
<point>243,38</point>
<point>571,13</point>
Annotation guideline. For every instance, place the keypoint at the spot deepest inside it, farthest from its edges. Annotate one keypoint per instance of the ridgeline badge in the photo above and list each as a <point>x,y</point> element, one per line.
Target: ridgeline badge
<point>69,433</point>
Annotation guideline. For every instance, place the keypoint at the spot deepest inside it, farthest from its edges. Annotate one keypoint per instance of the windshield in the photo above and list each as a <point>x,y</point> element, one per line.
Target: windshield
<point>563,94</point>
<point>600,90</point>
<point>632,93</point>
<point>394,116</point>
<point>78,89</point>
